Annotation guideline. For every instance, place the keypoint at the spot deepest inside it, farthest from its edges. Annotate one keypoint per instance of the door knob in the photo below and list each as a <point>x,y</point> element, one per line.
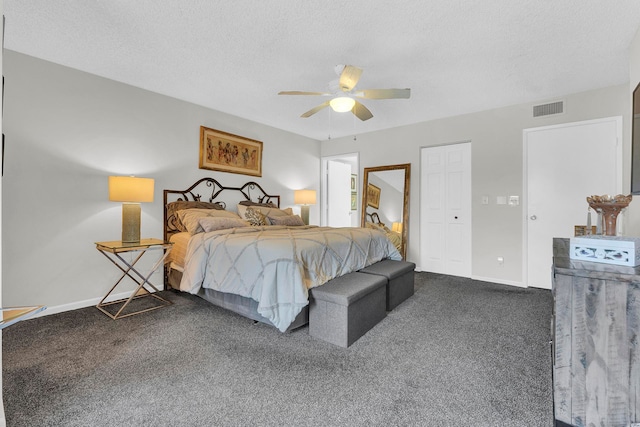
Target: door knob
<point>533,217</point>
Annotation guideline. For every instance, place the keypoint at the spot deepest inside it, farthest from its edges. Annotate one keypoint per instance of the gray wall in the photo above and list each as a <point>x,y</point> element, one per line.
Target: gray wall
<point>634,63</point>
<point>66,132</point>
<point>496,139</point>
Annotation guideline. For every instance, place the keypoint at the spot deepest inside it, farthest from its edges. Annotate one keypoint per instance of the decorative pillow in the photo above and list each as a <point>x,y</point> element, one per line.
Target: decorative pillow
<point>221,223</point>
<point>242,206</point>
<point>265,210</point>
<point>190,217</point>
<point>250,203</point>
<point>276,212</point>
<point>174,207</point>
<point>255,217</point>
<point>294,220</point>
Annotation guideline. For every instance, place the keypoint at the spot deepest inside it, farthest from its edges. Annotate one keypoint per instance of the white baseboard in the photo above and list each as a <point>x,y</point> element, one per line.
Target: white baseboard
<point>80,304</point>
<point>92,302</point>
<point>491,280</point>
<point>499,281</point>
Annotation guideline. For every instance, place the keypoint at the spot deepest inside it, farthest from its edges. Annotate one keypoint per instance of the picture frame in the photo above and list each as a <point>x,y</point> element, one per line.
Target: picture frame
<point>226,152</point>
<point>354,182</point>
<point>373,196</point>
<point>354,201</point>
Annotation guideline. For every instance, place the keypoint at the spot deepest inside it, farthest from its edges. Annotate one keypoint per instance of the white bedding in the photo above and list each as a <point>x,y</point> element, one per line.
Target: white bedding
<point>277,265</point>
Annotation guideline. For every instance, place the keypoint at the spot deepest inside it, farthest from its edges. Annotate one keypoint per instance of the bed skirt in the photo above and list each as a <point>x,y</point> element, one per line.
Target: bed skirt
<point>238,304</point>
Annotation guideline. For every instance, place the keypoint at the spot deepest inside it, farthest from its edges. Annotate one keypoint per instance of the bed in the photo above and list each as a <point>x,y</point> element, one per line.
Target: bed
<point>235,247</point>
<point>373,221</point>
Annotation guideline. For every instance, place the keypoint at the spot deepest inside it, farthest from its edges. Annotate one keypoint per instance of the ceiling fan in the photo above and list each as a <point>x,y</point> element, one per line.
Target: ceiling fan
<point>344,91</point>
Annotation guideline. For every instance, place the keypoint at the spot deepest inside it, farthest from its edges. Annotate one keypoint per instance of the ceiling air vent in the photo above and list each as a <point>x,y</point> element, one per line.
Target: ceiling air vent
<point>548,109</point>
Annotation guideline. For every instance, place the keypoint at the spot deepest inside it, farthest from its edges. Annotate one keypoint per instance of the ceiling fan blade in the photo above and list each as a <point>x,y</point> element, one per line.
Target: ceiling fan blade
<point>298,92</point>
<point>315,110</point>
<point>349,77</point>
<point>361,112</point>
<point>383,93</point>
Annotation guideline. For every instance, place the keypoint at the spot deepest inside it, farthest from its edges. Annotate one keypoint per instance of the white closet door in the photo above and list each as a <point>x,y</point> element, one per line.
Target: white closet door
<point>564,164</point>
<point>445,197</point>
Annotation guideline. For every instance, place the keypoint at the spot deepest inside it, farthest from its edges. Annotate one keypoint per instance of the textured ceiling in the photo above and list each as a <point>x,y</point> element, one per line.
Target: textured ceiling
<point>457,56</point>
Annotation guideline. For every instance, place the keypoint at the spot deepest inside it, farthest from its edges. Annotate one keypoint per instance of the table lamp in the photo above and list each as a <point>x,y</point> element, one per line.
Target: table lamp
<point>131,191</point>
<point>304,198</point>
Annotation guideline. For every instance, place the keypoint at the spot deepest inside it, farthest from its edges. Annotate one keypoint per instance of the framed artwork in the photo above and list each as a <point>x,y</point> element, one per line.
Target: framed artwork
<point>354,183</point>
<point>354,201</point>
<point>373,196</point>
<point>225,152</point>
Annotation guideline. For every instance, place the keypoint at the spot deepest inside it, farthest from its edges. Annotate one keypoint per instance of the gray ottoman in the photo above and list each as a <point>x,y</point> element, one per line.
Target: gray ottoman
<point>345,308</point>
<point>400,279</point>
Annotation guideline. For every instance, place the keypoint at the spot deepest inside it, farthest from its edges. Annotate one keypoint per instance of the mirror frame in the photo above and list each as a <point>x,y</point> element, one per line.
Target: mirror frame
<point>635,142</point>
<point>405,205</point>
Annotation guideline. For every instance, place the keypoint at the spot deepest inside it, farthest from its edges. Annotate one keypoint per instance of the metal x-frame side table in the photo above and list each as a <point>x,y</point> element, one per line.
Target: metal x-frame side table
<point>113,250</point>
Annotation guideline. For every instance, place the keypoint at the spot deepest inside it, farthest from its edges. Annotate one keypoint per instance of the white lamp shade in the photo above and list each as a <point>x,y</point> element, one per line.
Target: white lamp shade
<point>130,189</point>
<point>304,197</point>
<point>342,104</point>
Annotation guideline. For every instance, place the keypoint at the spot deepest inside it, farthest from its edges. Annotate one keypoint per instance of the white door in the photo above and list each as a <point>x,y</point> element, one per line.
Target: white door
<point>338,194</point>
<point>563,165</point>
<point>445,198</point>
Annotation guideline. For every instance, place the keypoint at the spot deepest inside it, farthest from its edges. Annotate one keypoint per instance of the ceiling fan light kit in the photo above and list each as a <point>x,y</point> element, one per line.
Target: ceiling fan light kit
<point>344,101</point>
<point>342,104</point>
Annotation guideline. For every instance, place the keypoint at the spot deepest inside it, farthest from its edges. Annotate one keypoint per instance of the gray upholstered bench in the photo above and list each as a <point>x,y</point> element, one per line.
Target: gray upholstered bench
<point>345,308</point>
<point>400,277</point>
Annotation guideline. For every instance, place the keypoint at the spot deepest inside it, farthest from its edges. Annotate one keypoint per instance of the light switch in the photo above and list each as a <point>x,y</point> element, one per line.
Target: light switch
<point>485,200</point>
<point>501,200</point>
<point>514,200</point>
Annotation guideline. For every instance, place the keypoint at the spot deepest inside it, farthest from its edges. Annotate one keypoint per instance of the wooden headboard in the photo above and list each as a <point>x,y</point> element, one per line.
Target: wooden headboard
<point>251,191</point>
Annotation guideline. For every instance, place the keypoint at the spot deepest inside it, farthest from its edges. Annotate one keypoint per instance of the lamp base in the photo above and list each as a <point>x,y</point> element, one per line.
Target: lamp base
<point>131,223</point>
<point>304,214</point>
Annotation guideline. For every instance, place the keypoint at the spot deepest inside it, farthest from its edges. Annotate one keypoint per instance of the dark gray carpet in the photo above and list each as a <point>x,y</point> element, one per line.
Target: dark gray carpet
<point>458,353</point>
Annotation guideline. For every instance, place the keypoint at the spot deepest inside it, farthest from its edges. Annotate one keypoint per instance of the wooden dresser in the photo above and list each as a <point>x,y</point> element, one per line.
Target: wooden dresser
<point>596,342</point>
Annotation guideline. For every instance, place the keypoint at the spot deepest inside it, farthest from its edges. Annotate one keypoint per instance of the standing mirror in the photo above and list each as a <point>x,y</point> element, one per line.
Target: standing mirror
<point>635,142</point>
<point>385,202</point>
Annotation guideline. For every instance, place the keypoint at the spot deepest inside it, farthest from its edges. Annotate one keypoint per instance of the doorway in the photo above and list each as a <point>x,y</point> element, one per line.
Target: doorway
<point>445,209</point>
<point>338,173</point>
<point>563,165</point>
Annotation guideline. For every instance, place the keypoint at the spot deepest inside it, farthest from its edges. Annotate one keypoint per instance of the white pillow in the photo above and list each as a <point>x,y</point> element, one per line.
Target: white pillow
<point>190,217</point>
<point>221,223</point>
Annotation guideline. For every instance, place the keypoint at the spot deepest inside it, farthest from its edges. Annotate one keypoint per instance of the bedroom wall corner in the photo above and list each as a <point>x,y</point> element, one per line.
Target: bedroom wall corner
<point>66,132</point>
